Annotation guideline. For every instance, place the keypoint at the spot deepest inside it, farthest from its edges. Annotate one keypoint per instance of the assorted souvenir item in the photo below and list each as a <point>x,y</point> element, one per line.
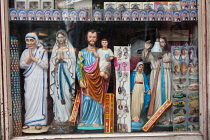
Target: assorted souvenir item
<point>185,88</point>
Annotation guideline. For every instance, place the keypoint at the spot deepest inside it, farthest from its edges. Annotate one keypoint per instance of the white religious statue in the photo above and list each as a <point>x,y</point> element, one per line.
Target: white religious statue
<point>163,90</point>
<point>62,78</point>
<point>35,62</point>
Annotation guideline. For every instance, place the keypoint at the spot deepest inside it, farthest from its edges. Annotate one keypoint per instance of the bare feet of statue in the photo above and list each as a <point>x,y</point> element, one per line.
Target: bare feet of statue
<point>81,124</point>
<point>38,127</point>
<point>96,125</point>
<point>25,127</point>
<point>136,119</point>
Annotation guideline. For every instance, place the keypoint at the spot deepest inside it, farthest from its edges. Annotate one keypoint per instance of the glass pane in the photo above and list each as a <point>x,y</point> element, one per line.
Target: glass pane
<point>103,67</point>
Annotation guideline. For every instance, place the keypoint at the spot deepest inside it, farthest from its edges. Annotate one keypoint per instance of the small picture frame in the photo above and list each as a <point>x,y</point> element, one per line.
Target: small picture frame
<point>176,16</point>
<point>126,16</point>
<point>97,15</point>
<point>56,15</point>
<point>117,15</point>
<point>33,4</point>
<point>39,15</point>
<point>109,5</point>
<point>22,15</point>
<point>48,15</point>
<point>185,15</point>
<point>160,15</point>
<point>65,15</point>
<point>161,6</point>
<point>148,5</point>
<point>123,5</point>
<point>30,15</point>
<point>20,5</point>
<point>136,5</point>
<point>174,6</point>
<point>13,14</point>
<point>82,15</point>
<point>47,5</point>
<point>193,4</point>
<point>108,15</point>
<point>151,15</point>
<point>168,16</point>
<point>176,53</point>
<point>184,4</point>
<point>184,53</point>
<point>73,15</point>
<point>193,15</point>
<point>134,15</point>
<point>143,15</point>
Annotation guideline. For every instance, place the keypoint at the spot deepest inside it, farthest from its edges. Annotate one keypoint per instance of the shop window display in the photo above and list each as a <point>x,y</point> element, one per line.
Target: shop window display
<point>82,71</point>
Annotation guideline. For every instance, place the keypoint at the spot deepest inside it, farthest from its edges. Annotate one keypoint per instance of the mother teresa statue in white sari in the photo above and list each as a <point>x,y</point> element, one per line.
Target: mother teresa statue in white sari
<point>35,62</point>
<point>62,80</point>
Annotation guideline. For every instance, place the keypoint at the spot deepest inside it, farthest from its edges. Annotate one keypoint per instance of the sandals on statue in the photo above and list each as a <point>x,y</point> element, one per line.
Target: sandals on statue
<point>38,127</point>
<point>25,127</point>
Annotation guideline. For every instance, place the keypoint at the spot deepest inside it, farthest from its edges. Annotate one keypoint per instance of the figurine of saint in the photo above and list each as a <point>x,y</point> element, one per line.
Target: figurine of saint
<point>91,83</point>
<point>140,89</point>
<point>163,90</point>
<point>35,62</point>
<point>106,55</point>
<point>62,77</point>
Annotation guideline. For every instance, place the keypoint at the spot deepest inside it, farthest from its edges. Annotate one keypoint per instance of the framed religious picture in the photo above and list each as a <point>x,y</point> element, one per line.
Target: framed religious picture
<point>39,15</point>
<point>56,15</point>
<point>97,15</point>
<point>34,4</point>
<point>20,4</point>
<point>82,15</point>
<point>161,6</point>
<point>117,15</point>
<point>30,15</point>
<point>148,5</point>
<point>168,16</point>
<point>185,15</point>
<point>110,5</point>
<point>22,15</point>
<point>134,15</point>
<point>193,15</point>
<point>160,15</point>
<point>184,4</point>
<point>65,15</point>
<point>47,4</point>
<point>123,5</point>
<point>13,14</point>
<point>174,6</point>
<point>72,15</point>
<point>151,15</point>
<point>126,16</point>
<point>48,15</point>
<point>176,16</point>
<point>143,15</point>
<point>193,4</point>
<point>136,5</point>
<point>108,15</point>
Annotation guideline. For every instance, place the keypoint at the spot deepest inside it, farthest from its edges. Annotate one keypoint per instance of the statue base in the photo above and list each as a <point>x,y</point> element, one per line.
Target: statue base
<point>85,127</point>
<point>57,127</point>
<point>32,129</point>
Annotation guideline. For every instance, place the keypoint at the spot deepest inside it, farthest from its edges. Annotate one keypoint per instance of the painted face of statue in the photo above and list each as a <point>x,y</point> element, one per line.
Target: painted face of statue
<point>31,43</point>
<point>92,38</point>
<point>140,68</point>
<point>162,43</point>
<point>61,39</point>
<point>104,43</point>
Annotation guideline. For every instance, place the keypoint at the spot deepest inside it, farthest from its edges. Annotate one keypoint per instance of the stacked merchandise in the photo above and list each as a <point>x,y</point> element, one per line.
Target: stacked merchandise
<point>109,113</point>
<point>15,87</point>
<point>122,72</point>
<point>185,88</point>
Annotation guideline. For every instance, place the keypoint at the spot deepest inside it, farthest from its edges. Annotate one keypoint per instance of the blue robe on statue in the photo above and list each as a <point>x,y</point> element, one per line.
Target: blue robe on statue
<point>91,110</point>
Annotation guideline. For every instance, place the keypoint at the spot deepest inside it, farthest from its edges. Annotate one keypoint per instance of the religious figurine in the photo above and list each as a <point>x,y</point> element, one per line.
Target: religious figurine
<point>163,90</point>
<point>106,55</point>
<point>62,80</point>
<point>140,95</point>
<point>92,85</point>
<point>35,62</point>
